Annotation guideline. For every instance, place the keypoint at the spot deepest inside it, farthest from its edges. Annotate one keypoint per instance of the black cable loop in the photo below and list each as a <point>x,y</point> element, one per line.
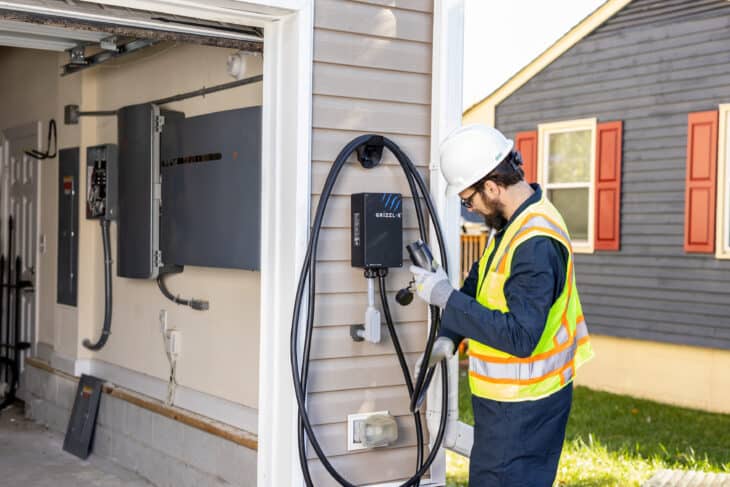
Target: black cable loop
<point>46,155</point>
<point>308,271</point>
<point>106,327</point>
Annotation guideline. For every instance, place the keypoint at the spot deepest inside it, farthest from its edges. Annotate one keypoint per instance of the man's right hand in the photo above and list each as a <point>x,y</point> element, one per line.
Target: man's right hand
<point>442,348</point>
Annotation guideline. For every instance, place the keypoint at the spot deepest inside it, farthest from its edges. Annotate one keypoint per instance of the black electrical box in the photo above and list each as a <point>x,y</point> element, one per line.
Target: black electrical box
<point>376,230</point>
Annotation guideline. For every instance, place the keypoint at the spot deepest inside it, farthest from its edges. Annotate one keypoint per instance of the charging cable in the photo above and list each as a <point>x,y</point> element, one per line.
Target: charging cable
<point>369,150</point>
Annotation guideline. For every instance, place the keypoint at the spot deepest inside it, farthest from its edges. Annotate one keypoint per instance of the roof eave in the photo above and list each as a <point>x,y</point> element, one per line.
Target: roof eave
<point>571,38</point>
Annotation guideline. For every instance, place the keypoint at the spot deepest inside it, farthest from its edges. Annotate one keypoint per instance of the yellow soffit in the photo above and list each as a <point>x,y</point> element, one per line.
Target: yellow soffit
<point>588,25</point>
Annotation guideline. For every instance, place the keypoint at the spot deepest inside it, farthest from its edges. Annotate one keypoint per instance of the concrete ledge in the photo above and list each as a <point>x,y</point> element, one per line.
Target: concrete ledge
<point>166,445</point>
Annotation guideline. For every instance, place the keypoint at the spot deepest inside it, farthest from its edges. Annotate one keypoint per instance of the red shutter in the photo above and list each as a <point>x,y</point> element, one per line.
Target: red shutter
<point>699,197</point>
<point>526,143</point>
<point>608,186</point>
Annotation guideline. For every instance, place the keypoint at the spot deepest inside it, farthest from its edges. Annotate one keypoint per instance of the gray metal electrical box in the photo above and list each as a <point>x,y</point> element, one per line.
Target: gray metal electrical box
<point>139,128</point>
<point>68,226</point>
<point>211,190</point>
<point>101,181</point>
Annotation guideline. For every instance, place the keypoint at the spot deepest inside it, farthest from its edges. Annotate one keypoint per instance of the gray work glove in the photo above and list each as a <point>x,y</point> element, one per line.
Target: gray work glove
<point>442,348</point>
<point>432,287</point>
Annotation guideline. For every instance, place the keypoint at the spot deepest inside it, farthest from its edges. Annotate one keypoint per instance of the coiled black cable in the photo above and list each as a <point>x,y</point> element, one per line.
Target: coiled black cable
<point>106,327</point>
<point>300,377</point>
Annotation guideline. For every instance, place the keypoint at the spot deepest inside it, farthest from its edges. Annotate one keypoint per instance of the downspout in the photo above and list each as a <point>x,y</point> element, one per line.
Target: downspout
<point>446,114</point>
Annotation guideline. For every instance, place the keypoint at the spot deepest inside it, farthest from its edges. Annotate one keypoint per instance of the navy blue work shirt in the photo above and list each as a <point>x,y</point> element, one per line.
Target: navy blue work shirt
<point>536,280</point>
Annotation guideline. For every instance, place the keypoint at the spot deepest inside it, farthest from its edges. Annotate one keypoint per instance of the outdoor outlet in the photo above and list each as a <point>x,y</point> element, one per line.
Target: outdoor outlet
<point>371,430</point>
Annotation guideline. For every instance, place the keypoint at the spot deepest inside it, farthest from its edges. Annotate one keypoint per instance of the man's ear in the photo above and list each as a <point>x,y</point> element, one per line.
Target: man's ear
<point>491,188</point>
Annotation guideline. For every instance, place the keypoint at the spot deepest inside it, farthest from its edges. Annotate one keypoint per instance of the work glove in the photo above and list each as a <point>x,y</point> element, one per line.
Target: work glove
<point>432,287</point>
<point>443,348</point>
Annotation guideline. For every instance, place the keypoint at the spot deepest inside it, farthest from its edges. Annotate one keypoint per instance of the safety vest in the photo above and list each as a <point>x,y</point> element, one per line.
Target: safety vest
<point>564,345</point>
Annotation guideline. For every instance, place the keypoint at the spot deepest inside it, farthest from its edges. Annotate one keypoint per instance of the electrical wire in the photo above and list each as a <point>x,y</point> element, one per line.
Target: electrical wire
<point>307,277</point>
<point>196,304</point>
<point>52,135</point>
<point>172,360</point>
<point>403,365</point>
<point>106,327</point>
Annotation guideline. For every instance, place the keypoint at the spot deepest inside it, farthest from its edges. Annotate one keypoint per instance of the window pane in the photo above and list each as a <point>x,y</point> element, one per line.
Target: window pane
<point>569,157</point>
<point>573,205</point>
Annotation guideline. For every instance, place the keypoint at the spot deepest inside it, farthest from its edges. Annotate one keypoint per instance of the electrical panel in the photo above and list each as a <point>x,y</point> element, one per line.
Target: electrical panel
<point>68,226</point>
<point>101,182</point>
<point>139,190</point>
<point>376,230</point>
<point>211,190</point>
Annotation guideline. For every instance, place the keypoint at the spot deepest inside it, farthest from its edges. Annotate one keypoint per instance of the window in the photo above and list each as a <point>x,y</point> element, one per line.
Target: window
<point>566,172</point>
<point>722,249</point>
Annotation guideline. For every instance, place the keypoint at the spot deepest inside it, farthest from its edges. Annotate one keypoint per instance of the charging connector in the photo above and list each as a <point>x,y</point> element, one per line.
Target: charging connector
<point>370,331</point>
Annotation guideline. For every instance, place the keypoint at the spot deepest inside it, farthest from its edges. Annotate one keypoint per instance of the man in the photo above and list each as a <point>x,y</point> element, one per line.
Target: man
<point>518,307</point>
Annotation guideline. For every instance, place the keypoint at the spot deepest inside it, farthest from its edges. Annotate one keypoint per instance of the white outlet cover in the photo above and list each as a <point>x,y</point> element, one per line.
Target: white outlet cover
<point>351,420</point>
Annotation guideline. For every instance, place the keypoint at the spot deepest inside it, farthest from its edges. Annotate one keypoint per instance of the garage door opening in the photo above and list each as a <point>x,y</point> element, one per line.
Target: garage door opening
<point>90,77</point>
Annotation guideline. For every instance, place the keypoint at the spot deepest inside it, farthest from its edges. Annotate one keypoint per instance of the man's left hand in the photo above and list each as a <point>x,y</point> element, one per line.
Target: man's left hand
<point>432,287</point>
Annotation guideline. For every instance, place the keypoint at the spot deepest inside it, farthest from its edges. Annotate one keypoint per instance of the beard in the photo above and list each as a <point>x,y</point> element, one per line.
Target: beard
<point>495,218</point>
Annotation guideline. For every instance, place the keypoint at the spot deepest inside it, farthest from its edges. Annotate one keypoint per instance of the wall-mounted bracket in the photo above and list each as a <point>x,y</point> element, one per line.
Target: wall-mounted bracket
<point>371,152</point>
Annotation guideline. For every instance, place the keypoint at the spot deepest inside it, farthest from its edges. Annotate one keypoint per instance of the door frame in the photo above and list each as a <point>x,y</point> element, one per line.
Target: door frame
<point>285,195</point>
<point>17,132</point>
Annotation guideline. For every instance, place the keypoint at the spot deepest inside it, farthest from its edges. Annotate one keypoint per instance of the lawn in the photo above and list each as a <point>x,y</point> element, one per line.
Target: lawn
<point>621,441</point>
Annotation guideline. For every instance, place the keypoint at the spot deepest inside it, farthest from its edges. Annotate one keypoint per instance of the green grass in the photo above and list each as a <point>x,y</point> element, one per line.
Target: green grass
<point>621,441</point>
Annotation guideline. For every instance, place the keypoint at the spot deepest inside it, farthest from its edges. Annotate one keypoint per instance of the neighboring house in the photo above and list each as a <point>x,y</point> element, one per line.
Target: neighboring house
<point>332,69</point>
<point>624,122</point>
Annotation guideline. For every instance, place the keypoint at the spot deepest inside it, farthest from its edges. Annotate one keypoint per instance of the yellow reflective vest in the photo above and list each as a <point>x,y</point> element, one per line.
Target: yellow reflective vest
<point>564,345</point>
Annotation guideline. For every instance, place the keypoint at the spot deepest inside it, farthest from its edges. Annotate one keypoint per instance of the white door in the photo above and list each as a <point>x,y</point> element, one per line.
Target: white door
<point>19,203</point>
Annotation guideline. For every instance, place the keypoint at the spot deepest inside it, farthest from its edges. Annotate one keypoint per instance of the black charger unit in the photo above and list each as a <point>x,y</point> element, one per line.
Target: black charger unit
<point>376,230</point>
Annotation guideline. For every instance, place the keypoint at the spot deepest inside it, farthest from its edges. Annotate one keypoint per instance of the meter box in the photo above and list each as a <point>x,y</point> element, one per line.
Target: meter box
<point>376,230</point>
<point>101,182</point>
<point>139,190</point>
<point>211,190</point>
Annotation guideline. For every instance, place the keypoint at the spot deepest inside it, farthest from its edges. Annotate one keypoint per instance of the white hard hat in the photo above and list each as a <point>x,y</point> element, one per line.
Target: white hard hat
<point>470,153</point>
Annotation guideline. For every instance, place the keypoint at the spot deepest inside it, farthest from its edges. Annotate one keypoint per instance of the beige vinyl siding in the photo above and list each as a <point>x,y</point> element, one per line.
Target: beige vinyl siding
<point>371,74</point>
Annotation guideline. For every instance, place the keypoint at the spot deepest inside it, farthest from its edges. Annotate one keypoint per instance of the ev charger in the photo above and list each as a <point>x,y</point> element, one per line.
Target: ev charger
<point>377,230</point>
<point>376,245</point>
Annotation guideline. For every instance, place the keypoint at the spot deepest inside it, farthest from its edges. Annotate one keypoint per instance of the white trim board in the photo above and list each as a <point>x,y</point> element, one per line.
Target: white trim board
<point>213,407</point>
<point>286,188</point>
<point>722,213</point>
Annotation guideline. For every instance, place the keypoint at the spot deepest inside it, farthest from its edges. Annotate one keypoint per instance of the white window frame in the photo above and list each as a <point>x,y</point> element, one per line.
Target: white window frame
<point>722,226</point>
<point>545,130</point>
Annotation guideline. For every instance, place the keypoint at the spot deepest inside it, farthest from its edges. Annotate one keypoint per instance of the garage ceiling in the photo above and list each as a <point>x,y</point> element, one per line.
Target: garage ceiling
<point>36,36</point>
<point>63,24</point>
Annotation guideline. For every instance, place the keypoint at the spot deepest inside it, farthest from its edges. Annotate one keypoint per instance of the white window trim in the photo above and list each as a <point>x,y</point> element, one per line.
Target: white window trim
<point>722,242</point>
<point>545,130</point>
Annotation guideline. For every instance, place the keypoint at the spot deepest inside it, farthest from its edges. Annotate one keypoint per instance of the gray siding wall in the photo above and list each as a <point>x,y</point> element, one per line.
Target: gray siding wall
<point>650,65</point>
<point>372,73</point>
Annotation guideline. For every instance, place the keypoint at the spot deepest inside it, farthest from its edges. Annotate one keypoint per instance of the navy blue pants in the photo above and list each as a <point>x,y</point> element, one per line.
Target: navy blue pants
<point>518,444</point>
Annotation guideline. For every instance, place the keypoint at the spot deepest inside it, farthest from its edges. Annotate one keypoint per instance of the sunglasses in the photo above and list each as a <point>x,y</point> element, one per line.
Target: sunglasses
<point>466,203</point>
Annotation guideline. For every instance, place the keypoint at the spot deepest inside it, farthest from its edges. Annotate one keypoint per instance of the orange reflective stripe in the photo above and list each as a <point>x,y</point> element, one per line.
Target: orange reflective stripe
<point>569,365</point>
<point>518,360</point>
<point>584,340</point>
<point>522,382</point>
<point>529,216</point>
<point>549,231</point>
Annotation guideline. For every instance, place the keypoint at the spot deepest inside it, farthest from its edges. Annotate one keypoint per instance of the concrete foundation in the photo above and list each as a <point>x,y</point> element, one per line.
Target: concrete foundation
<point>164,451</point>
